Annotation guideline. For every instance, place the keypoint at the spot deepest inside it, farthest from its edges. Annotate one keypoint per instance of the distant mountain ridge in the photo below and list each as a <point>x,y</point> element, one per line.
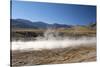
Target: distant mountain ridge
<point>22,23</point>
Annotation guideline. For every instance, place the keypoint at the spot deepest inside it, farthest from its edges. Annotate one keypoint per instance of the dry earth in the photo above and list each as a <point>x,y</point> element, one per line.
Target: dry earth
<point>86,53</point>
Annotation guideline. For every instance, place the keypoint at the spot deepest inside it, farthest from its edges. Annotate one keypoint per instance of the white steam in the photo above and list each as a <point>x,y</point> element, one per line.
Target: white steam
<point>51,40</point>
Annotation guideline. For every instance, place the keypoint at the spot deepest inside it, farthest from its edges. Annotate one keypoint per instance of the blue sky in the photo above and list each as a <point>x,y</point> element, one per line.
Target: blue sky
<point>54,13</point>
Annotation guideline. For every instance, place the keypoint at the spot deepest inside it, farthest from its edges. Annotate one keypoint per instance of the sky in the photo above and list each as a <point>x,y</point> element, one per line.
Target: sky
<point>70,14</point>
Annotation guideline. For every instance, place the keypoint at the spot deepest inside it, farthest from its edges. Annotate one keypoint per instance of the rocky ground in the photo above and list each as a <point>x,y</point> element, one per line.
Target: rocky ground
<point>86,53</point>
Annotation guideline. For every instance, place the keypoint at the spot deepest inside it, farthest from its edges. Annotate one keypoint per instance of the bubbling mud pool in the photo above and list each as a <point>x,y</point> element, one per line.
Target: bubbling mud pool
<point>52,43</point>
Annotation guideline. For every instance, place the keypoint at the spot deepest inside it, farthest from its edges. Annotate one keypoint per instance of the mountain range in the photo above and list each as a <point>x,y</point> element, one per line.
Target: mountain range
<point>23,23</point>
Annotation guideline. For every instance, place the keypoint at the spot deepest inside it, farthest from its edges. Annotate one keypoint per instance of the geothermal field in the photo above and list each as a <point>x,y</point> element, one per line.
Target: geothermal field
<point>53,48</point>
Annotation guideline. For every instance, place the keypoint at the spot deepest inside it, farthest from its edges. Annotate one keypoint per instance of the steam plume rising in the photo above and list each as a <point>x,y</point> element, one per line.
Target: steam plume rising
<point>52,40</point>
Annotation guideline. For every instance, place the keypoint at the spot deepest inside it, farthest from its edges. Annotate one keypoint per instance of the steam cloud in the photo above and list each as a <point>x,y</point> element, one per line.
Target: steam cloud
<point>51,40</point>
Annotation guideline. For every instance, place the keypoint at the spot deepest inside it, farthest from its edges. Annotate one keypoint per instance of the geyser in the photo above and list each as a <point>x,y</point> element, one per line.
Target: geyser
<point>52,40</point>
